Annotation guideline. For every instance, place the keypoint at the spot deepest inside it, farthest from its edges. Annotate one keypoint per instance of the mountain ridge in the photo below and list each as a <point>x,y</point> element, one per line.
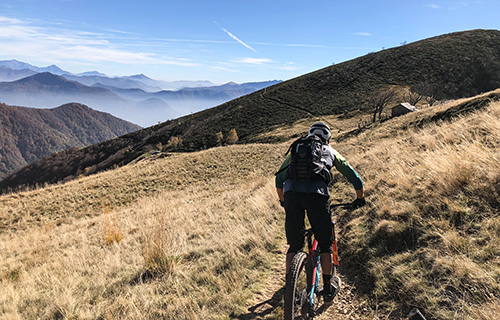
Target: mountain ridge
<point>19,65</point>
<point>47,83</point>
<point>90,77</point>
<point>29,134</point>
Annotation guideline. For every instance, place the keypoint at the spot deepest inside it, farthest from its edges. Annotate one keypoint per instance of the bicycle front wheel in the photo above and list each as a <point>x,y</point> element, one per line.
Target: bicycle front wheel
<point>298,287</point>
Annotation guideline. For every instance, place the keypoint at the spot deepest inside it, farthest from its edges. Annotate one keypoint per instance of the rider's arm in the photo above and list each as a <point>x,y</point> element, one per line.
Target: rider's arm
<point>349,173</point>
<point>281,177</point>
<point>281,194</point>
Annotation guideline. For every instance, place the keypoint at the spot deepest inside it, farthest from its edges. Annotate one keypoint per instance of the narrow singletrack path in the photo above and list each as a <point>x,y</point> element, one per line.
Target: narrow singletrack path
<point>269,303</point>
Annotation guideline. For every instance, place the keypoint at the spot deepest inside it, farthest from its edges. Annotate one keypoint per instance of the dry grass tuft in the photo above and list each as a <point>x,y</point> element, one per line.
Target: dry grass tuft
<point>158,252</point>
<point>113,232</point>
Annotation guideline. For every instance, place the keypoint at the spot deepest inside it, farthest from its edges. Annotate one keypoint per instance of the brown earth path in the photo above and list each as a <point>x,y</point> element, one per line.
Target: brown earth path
<point>269,303</point>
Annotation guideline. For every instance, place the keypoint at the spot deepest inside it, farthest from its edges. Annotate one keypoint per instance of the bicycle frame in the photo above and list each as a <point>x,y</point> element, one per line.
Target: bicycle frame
<point>313,252</point>
<point>314,255</point>
<point>302,293</point>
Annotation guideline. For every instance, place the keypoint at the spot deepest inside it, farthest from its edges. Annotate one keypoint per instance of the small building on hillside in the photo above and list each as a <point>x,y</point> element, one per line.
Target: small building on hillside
<point>402,108</point>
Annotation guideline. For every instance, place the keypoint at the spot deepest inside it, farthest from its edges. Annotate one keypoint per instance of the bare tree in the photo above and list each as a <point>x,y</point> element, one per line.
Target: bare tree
<point>380,99</point>
<point>413,97</point>
<point>429,92</point>
<point>219,137</point>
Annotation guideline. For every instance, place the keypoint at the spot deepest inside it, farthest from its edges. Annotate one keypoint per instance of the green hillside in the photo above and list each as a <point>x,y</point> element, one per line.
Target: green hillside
<point>28,134</point>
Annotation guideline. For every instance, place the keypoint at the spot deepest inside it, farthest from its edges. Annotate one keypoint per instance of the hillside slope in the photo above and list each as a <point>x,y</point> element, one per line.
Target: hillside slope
<point>200,235</point>
<point>430,238</point>
<point>460,64</point>
<point>29,134</point>
<point>191,209</point>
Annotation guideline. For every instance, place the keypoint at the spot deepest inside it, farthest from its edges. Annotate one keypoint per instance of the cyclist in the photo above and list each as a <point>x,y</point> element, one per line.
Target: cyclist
<point>311,195</point>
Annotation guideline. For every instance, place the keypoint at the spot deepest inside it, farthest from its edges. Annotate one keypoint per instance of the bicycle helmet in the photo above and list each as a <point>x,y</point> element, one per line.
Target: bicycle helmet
<point>321,130</point>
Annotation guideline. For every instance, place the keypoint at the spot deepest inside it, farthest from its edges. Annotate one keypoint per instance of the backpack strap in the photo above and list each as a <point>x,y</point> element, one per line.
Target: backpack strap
<point>286,154</point>
<point>281,170</point>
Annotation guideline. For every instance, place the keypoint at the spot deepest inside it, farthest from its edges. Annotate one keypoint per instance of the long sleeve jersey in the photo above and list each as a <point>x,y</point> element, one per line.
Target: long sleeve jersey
<point>331,158</point>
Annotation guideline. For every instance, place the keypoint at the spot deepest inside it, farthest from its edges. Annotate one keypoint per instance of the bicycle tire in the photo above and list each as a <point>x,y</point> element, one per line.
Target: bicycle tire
<point>300,279</point>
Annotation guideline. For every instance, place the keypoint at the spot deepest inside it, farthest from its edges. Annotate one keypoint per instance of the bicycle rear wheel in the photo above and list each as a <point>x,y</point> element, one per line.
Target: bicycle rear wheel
<point>298,286</point>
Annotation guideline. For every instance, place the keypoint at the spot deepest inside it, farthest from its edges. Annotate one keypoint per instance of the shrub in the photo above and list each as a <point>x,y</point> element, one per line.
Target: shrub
<point>232,137</point>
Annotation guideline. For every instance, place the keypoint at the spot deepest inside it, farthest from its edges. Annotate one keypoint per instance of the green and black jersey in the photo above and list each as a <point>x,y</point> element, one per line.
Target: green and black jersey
<point>331,158</point>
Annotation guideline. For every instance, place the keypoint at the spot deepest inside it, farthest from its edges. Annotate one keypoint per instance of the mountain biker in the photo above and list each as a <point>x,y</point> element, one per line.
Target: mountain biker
<point>311,195</point>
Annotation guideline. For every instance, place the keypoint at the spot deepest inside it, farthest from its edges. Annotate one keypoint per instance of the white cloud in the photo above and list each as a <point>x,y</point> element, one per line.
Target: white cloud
<point>10,20</point>
<point>225,69</point>
<point>433,6</point>
<point>253,61</point>
<point>21,39</point>
<point>363,34</point>
<point>94,54</point>
<point>289,66</point>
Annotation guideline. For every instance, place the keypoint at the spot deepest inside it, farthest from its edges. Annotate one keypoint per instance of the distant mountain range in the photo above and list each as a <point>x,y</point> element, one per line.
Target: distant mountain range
<point>136,98</point>
<point>27,134</point>
<point>20,70</point>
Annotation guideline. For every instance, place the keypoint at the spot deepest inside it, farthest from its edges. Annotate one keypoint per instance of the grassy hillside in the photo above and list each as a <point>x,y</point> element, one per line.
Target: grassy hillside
<point>196,235</point>
<point>460,64</point>
<point>188,236</point>
<point>430,237</point>
<point>28,134</point>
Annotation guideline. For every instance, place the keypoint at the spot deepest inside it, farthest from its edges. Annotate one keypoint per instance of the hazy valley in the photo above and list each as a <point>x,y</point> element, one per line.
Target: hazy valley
<point>137,99</point>
<point>28,135</point>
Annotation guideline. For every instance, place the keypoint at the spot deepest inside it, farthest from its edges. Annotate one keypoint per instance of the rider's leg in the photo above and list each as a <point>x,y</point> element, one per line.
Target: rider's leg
<point>327,263</point>
<point>289,258</point>
<point>321,222</point>
<point>294,225</point>
<point>327,269</point>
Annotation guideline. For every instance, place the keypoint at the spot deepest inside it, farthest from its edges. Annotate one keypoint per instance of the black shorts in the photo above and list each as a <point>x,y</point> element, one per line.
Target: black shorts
<point>317,207</point>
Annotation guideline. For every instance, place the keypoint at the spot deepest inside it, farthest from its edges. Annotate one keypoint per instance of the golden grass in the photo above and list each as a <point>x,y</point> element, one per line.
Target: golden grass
<point>432,229</point>
<point>193,236</point>
<point>198,248</point>
<point>89,196</point>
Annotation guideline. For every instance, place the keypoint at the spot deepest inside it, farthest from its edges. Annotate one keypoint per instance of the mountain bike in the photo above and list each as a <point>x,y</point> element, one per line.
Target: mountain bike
<point>302,294</point>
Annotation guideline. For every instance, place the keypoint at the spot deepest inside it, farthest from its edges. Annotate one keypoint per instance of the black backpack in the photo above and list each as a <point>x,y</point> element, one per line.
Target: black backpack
<point>305,162</point>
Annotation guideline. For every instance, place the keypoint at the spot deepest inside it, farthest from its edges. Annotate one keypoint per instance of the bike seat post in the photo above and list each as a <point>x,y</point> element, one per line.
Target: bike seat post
<point>309,241</point>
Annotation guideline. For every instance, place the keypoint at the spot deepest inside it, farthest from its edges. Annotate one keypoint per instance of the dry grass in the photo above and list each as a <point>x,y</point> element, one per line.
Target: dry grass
<point>192,236</point>
<point>431,237</point>
<point>199,248</point>
<point>89,196</point>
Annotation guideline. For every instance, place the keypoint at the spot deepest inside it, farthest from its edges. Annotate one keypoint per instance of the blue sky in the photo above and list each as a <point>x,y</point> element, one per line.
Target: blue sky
<point>223,40</point>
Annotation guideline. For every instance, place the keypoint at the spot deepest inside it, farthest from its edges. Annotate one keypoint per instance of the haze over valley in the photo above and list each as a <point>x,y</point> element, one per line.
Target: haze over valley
<point>138,98</point>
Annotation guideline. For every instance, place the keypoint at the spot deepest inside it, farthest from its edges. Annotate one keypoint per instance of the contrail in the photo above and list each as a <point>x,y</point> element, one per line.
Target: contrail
<point>235,37</point>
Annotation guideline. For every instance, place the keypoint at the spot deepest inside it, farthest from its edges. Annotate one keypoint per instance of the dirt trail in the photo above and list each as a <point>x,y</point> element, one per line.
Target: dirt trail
<point>269,303</point>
